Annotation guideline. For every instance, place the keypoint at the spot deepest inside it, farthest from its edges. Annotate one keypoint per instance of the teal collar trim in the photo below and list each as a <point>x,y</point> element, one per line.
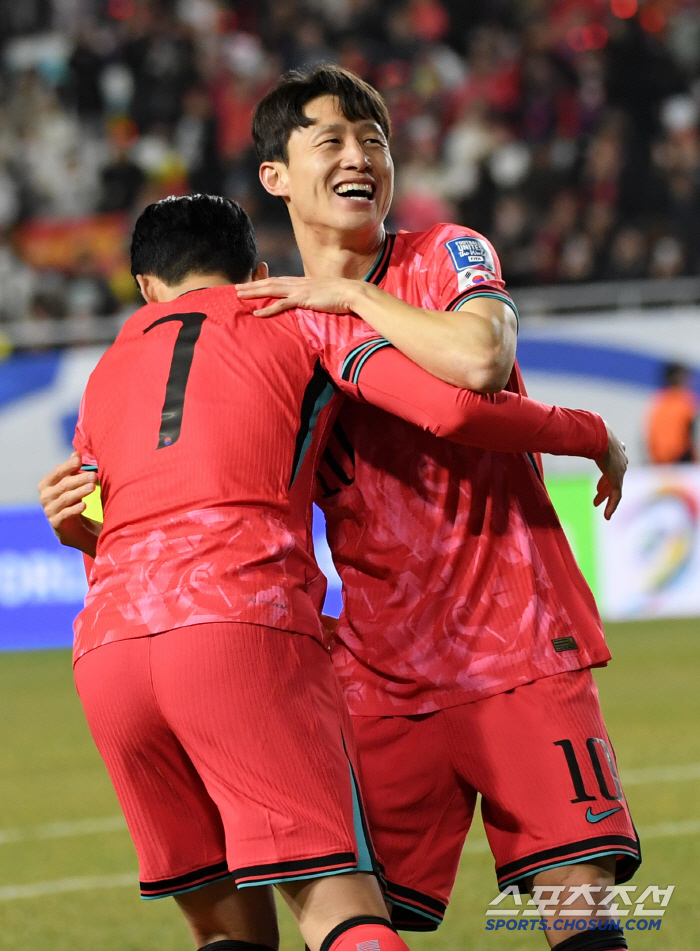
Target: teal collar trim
<point>372,276</point>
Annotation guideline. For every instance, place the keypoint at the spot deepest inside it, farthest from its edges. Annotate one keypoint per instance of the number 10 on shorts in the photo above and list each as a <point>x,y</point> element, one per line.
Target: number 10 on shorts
<point>599,753</point>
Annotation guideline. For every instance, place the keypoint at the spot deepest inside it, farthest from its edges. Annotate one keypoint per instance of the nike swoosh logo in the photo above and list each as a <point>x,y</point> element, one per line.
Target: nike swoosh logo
<point>597,816</point>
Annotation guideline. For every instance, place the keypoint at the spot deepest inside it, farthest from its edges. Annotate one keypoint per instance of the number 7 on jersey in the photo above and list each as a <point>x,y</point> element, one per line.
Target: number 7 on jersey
<point>180,365</point>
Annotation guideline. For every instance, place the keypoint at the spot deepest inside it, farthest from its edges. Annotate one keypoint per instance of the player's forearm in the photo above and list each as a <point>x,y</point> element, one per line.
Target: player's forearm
<point>505,422</point>
<point>464,348</point>
<point>513,423</point>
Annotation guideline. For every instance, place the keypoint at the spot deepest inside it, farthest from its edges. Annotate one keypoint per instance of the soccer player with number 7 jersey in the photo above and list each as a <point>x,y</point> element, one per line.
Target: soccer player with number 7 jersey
<point>199,654</point>
<point>468,632</point>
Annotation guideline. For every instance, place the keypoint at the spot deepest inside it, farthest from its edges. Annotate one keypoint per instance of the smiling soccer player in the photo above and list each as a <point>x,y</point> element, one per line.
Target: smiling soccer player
<point>468,631</point>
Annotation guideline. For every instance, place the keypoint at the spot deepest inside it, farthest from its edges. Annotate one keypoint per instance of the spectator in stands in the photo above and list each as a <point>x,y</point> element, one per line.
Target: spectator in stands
<point>87,293</point>
<point>667,257</point>
<point>567,134</point>
<point>671,420</point>
<point>196,141</point>
<point>17,283</point>
<point>628,255</point>
<point>121,180</point>
<point>48,301</point>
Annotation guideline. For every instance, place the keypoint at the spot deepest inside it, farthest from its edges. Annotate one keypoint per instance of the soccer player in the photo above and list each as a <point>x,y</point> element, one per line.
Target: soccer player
<point>198,655</point>
<point>468,632</point>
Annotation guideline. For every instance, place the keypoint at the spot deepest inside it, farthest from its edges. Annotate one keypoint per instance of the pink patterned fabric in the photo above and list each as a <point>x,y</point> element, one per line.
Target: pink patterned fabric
<point>457,575</point>
<point>207,527</point>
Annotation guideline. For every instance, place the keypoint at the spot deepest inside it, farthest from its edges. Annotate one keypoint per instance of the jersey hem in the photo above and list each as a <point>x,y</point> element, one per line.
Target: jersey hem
<point>189,882</point>
<point>274,872</point>
<point>317,867</point>
<point>624,847</point>
<point>435,702</point>
<point>317,636</point>
<point>413,910</point>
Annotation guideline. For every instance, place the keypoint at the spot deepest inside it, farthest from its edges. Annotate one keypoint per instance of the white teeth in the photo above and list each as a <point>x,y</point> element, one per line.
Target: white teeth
<point>366,190</point>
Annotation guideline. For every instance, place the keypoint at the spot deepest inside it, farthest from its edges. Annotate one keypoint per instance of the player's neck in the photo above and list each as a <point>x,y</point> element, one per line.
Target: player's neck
<point>328,253</point>
<point>165,293</point>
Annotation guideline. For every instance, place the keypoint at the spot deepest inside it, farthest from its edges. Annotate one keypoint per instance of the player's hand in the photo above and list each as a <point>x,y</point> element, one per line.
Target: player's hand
<point>613,465</point>
<point>330,295</point>
<point>62,493</point>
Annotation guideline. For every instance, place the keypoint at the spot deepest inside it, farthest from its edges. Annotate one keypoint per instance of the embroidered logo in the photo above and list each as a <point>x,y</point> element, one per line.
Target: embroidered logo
<point>597,816</point>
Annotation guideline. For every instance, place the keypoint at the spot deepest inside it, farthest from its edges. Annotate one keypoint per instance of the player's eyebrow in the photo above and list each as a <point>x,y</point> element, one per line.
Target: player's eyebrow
<point>338,127</point>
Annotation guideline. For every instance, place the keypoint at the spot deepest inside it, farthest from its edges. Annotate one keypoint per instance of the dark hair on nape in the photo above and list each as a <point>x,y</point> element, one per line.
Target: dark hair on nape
<point>282,109</point>
<point>196,234</point>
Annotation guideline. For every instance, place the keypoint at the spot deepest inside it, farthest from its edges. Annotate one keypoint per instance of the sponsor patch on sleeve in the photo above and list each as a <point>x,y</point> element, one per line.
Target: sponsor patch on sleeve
<point>470,252</point>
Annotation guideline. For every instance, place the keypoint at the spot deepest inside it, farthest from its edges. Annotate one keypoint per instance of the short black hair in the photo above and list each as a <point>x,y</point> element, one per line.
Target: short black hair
<point>282,109</point>
<point>196,234</point>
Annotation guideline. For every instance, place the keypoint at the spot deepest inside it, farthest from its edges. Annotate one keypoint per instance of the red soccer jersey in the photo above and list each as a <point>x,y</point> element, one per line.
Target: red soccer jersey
<point>458,580</point>
<point>205,424</point>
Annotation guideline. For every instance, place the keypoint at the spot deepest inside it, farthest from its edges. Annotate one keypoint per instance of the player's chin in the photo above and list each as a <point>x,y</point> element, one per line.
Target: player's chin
<point>357,219</point>
<point>353,209</point>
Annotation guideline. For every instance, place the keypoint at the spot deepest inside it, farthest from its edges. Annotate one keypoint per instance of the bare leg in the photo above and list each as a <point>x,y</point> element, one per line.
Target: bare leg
<point>320,904</point>
<point>221,910</point>
<point>599,874</point>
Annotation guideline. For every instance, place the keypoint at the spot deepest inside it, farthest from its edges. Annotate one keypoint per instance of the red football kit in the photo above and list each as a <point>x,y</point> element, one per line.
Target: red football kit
<point>206,426</point>
<point>458,585</point>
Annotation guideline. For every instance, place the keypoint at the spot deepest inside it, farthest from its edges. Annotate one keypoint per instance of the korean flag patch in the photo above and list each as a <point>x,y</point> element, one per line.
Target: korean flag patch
<point>472,260</point>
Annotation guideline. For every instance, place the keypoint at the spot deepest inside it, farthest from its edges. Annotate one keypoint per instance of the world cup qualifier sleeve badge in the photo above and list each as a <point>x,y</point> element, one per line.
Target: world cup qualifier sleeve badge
<point>472,259</point>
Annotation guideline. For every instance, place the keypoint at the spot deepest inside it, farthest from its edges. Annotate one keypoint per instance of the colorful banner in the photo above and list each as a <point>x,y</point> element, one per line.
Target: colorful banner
<point>649,553</point>
<point>61,243</point>
<point>572,497</point>
<point>42,584</point>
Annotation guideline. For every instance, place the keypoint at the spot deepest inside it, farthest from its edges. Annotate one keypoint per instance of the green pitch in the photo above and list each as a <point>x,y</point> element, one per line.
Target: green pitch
<point>59,825</point>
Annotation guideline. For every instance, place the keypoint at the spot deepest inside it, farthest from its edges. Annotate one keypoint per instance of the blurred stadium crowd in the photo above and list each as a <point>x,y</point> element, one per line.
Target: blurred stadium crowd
<point>567,131</point>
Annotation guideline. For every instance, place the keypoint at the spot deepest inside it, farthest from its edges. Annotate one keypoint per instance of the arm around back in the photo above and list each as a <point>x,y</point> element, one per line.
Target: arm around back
<point>504,422</point>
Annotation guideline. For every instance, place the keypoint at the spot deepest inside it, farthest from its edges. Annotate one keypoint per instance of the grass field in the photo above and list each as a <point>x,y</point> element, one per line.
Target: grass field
<point>66,862</point>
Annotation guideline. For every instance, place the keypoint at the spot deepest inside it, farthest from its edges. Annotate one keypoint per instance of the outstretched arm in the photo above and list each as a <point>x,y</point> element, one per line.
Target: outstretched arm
<point>504,422</point>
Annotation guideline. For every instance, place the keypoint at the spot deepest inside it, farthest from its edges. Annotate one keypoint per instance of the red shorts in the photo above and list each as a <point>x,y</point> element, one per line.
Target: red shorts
<point>540,757</point>
<point>230,750</point>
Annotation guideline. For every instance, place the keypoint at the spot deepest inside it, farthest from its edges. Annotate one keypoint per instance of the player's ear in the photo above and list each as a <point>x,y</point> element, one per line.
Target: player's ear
<point>147,286</point>
<point>273,176</point>
<point>141,281</point>
<point>261,272</point>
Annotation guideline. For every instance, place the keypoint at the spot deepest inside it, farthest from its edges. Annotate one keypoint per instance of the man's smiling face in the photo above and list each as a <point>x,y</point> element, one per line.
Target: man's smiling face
<point>339,175</point>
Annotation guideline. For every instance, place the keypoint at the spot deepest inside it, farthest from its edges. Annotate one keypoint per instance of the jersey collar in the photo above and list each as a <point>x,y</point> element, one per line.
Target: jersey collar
<point>377,272</point>
<point>193,289</point>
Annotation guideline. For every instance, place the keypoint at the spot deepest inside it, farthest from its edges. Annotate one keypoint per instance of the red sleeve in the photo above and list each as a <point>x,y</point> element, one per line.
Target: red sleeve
<point>501,422</point>
<point>343,342</point>
<point>459,265</point>
<point>81,440</point>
